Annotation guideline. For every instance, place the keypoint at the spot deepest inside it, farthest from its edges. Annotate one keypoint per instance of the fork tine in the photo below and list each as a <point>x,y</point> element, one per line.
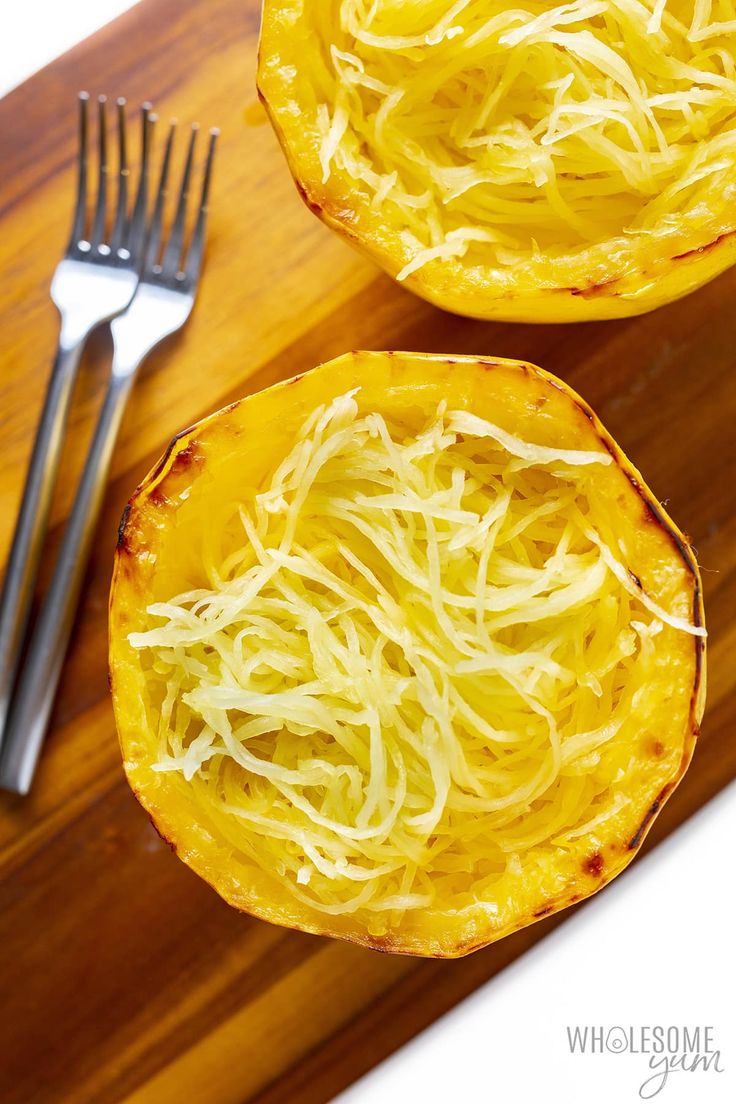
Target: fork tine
<point>136,234</point>
<point>196,249</point>
<point>97,233</point>
<point>122,202</point>
<point>80,211</point>
<point>154,234</point>
<point>171,262</point>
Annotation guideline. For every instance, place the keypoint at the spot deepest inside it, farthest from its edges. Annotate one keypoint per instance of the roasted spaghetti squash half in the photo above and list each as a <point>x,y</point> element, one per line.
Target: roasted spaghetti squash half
<point>404,651</point>
<point>536,162</point>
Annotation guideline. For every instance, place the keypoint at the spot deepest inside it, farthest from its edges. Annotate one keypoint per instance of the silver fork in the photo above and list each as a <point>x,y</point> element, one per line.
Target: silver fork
<point>95,280</point>
<point>161,306</point>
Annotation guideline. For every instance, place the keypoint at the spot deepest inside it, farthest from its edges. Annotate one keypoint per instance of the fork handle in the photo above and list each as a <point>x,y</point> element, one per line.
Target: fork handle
<point>25,553</point>
<point>36,687</point>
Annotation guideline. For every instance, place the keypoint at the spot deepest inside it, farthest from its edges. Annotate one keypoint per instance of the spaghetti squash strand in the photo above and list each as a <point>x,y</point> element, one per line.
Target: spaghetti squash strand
<point>490,131</point>
<point>415,659</point>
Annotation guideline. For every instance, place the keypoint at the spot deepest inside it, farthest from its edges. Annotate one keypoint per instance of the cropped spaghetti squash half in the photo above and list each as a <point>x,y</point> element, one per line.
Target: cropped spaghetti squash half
<point>404,651</point>
<point>532,162</point>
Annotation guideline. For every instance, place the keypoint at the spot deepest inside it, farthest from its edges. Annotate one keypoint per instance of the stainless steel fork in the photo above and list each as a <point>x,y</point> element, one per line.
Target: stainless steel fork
<point>161,306</point>
<point>95,281</point>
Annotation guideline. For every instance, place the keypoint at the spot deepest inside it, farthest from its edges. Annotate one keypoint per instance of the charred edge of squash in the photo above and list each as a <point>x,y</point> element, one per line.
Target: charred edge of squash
<point>647,820</point>
<point>488,365</point>
<point>159,467</point>
<point>152,487</point>
<point>170,843</point>
<point>122,541</point>
<point>593,864</point>
<point>339,217</point>
<point>184,458</point>
<point>699,250</point>
<point>315,207</point>
<point>603,287</point>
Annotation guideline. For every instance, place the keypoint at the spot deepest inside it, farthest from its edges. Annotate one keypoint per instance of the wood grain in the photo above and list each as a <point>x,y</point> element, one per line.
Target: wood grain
<point>124,978</point>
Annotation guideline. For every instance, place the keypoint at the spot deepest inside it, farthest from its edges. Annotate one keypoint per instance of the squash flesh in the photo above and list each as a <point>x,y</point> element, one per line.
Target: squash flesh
<point>582,148</point>
<point>444,873</point>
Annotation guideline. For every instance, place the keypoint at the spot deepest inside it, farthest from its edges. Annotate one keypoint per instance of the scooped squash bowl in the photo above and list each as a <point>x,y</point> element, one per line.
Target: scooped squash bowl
<point>404,651</point>
<point>543,163</point>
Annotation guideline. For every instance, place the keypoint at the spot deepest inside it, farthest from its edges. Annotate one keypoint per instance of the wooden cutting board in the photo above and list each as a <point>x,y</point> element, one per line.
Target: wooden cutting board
<point>123,977</point>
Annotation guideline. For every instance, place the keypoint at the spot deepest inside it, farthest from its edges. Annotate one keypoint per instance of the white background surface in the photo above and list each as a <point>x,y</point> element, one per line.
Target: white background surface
<point>658,947</point>
<point>36,31</point>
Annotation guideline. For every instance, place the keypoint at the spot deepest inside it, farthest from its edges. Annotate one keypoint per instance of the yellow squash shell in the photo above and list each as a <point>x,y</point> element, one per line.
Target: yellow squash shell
<point>533,165</point>
<point>170,542</point>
